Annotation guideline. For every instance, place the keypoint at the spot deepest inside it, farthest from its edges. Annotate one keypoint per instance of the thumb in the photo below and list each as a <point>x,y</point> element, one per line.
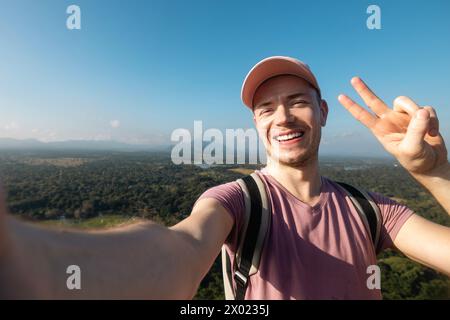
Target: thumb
<point>417,128</point>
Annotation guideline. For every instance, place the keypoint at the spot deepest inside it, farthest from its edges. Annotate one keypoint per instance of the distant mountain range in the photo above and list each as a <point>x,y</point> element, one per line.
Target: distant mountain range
<point>111,145</point>
<point>89,145</point>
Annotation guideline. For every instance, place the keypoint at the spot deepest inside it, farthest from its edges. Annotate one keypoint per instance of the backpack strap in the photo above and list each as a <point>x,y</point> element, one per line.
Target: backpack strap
<point>250,243</point>
<point>227,275</point>
<point>367,210</point>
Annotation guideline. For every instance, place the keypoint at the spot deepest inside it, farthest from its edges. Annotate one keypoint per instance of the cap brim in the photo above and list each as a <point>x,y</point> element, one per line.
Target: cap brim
<point>271,67</point>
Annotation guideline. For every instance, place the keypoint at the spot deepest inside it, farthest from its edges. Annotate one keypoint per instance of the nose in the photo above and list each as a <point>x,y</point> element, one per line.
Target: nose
<point>283,115</point>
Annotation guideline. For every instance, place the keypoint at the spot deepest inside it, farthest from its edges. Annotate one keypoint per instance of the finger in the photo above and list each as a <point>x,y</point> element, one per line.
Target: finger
<point>405,104</point>
<point>369,98</point>
<point>434,121</point>
<point>358,112</point>
<point>417,129</point>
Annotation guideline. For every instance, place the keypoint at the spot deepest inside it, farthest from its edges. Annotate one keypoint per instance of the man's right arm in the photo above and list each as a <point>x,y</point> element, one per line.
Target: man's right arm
<point>143,261</point>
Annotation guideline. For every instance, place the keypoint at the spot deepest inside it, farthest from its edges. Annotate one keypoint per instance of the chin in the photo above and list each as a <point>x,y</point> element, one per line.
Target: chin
<point>292,160</point>
<point>296,158</point>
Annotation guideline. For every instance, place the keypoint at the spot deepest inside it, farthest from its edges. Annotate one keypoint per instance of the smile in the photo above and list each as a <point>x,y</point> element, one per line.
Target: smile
<point>289,136</point>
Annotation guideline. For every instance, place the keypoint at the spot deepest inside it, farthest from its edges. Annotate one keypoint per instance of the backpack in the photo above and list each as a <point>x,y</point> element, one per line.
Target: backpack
<point>256,224</point>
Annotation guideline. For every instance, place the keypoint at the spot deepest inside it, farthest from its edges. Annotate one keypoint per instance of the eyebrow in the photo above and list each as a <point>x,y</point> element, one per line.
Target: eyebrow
<point>296,95</point>
<point>261,105</point>
<point>289,97</point>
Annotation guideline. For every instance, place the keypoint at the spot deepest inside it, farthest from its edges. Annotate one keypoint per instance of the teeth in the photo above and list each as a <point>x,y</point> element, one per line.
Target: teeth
<point>289,136</point>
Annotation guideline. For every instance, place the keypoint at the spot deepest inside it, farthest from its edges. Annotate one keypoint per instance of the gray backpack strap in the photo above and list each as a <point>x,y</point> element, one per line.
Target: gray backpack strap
<point>227,275</point>
<point>251,239</point>
<point>368,211</point>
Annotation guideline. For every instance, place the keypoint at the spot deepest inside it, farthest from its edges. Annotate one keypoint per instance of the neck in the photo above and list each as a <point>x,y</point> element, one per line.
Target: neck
<point>302,181</point>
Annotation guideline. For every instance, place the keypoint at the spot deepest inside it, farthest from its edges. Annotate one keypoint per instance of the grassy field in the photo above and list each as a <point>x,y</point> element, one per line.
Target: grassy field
<point>244,171</point>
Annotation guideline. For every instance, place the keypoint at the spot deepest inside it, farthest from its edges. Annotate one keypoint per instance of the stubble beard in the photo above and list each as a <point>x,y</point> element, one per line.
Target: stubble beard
<point>304,160</point>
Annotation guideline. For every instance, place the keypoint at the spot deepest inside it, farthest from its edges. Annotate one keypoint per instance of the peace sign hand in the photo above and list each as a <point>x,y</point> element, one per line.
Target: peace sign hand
<point>409,132</point>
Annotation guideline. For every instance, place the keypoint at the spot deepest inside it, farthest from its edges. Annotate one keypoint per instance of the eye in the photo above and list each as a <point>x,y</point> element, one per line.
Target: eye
<point>300,103</point>
<point>265,111</point>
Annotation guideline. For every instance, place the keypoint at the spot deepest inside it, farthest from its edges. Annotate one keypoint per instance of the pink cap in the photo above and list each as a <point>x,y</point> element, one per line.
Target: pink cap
<point>271,67</point>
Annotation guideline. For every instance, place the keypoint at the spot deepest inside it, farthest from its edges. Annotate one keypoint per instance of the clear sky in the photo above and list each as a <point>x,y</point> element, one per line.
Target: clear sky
<point>137,70</point>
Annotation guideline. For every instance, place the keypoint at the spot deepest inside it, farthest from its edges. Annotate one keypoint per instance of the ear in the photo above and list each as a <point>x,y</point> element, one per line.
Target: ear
<point>323,112</point>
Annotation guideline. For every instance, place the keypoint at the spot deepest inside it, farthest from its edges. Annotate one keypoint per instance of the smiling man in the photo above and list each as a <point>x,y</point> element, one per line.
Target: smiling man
<point>317,246</point>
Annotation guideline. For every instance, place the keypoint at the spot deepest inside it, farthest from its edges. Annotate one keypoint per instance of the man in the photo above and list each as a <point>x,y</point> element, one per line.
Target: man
<point>317,246</point>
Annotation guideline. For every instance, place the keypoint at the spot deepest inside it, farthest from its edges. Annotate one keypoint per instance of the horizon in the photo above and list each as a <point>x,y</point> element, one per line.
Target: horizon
<point>65,146</point>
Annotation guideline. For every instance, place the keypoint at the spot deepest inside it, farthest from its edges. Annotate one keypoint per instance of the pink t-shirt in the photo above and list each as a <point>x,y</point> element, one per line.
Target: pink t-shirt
<point>319,252</point>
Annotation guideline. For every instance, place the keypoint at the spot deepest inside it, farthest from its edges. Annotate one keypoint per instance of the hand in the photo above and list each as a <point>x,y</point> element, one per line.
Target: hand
<point>16,277</point>
<point>409,132</point>
<point>15,283</point>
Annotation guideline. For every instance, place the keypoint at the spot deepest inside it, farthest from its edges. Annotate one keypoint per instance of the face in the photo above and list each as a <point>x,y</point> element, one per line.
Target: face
<point>289,118</point>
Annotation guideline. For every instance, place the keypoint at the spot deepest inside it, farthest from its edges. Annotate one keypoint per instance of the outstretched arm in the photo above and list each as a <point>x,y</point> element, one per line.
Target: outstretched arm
<point>411,134</point>
<point>142,261</point>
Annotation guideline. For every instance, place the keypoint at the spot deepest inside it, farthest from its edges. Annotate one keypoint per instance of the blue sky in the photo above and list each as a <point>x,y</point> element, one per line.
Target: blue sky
<point>137,70</point>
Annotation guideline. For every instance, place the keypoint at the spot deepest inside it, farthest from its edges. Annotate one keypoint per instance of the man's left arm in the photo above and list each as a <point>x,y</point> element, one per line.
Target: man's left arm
<point>437,182</point>
<point>411,134</point>
<point>425,241</point>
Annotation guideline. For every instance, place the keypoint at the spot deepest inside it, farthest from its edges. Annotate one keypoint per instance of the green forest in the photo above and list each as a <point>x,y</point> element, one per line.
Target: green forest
<point>106,189</point>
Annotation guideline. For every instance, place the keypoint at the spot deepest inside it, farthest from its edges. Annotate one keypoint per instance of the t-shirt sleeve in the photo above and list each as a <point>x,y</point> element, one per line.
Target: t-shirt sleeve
<point>394,215</point>
<point>230,196</point>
